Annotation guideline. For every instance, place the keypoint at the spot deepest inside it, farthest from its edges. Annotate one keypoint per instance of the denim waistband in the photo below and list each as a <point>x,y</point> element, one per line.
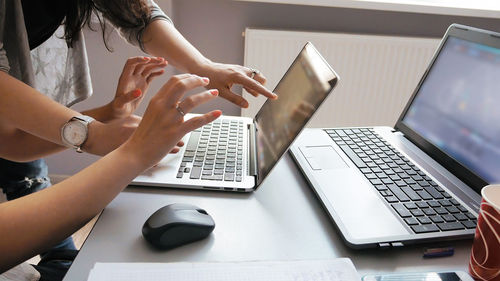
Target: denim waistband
<point>15,175</point>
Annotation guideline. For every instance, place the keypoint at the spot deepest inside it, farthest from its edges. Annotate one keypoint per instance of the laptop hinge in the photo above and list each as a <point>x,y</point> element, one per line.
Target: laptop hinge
<point>252,151</point>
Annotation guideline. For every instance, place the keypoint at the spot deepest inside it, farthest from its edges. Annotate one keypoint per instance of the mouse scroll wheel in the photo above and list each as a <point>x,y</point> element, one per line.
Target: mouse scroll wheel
<point>202,211</point>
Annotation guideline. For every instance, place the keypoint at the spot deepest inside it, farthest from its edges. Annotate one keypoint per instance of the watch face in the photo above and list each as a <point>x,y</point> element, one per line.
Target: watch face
<point>75,133</point>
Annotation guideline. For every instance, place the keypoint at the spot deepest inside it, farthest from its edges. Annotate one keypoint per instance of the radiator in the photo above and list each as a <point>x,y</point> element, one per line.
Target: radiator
<point>378,74</point>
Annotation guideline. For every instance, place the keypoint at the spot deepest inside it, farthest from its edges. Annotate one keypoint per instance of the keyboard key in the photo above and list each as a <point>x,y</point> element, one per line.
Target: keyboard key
<point>229,177</point>
<point>449,218</point>
<point>429,212</point>
<point>448,226</point>
<point>469,224</point>
<point>385,193</point>
<point>424,195</point>
<point>187,159</point>
<point>391,199</point>
<point>179,175</point>
<point>436,219</point>
<point>470,215</point>
<point>446,195</point>
<point>422,205</point>
<point>424,220</point>
<point>195,173</point>
<point>400,183</point>
<point>461,217</point>
<point>452,210</point>
<point>445,203</point>
<point>425,228</point>
<point>416,187</point>
<point>411,221</point>
<point>381,187</point>
<point>433,204</point>
<point>401,210</point>
<point>398,193</point>
<point>365,170</point>
<point>433,192</point>
<point>193,141</point>
<point>441,211</point>
<point>410,205</point>
<point>357,161</point>
<point>417,212</point>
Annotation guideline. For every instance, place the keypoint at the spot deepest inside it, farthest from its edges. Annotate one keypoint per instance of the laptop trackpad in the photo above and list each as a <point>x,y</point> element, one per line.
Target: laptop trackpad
<point>323,157</point>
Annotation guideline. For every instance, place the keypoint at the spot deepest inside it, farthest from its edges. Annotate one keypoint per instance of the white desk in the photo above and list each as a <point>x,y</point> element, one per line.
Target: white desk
<point>280,221</point>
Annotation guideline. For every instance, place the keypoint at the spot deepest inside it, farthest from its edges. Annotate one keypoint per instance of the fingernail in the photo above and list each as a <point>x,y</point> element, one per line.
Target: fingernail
<point>137,93</point>
<point>214,92</point>
<point>217,113</point>
<point>275,96</point>
<point>244,104</point>
<point>205,79</point>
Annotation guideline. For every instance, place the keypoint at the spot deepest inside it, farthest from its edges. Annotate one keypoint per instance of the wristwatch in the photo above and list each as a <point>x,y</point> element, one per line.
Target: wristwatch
<point>75,132</point>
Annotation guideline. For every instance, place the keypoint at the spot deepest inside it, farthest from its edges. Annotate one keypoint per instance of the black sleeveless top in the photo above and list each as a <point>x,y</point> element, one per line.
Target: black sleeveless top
<point>42,18</point>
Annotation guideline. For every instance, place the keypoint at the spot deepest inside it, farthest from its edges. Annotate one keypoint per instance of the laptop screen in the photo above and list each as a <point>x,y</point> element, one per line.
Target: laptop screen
<point>456,107</point>
<point>300,92</point>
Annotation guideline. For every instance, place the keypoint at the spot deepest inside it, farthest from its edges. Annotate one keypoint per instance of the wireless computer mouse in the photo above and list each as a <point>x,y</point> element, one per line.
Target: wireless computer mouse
<point>177,224</point>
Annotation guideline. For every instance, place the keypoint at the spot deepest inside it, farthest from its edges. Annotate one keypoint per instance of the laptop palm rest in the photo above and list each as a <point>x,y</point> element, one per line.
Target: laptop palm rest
<point>323,158</point>
<point>357,206</point>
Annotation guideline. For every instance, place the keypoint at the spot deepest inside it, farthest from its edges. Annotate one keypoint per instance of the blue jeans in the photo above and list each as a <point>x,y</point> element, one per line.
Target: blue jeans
<point>20,179</point>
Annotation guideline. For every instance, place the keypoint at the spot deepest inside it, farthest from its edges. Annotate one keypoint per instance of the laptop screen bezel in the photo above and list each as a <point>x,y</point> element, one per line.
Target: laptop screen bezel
<point>333,83</point>
<point>472,179</point>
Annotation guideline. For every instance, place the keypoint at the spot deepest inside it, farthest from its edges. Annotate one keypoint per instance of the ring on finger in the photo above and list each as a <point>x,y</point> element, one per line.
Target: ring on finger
<point>179,109</point>
<point>254,72</point>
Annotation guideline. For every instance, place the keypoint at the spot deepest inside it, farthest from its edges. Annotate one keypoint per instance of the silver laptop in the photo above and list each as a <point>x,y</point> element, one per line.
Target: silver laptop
<point>419,181</point>
<point>237,153</point>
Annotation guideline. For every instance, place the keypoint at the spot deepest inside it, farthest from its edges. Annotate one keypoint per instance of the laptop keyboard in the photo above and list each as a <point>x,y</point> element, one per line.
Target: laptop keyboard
<point>420,202</point>
<point>214,152</point>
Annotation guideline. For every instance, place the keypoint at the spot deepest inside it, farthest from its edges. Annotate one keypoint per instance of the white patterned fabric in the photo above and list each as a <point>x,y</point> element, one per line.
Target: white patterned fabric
<point>62,73</point>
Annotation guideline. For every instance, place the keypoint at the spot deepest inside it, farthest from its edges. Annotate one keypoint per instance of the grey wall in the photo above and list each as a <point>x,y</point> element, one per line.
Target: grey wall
<point>215,27</point>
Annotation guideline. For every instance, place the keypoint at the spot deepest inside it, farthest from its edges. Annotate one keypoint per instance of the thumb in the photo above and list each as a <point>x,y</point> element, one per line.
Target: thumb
<point>128,97</point>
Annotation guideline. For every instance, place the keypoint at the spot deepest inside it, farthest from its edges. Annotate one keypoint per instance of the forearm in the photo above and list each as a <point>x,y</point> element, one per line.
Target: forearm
<point>161,38</point>
<point>20,146</point>
<point>27,109</point>
<point>33,223</point>
<point>103,113</point>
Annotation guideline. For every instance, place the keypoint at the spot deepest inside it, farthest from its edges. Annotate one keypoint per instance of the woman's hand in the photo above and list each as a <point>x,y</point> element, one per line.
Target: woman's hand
<point>224,76</point>
<point>134,81</point>
<point>163,123</point>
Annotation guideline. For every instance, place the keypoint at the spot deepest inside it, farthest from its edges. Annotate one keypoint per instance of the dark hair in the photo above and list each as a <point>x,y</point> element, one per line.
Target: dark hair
<point>122,13</point>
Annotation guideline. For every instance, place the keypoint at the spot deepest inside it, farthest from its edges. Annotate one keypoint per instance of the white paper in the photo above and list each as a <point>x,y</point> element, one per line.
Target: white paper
<point>311,270</point>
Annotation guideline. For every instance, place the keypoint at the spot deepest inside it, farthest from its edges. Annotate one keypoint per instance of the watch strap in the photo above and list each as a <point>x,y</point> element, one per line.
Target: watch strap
<point>84,119</point>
